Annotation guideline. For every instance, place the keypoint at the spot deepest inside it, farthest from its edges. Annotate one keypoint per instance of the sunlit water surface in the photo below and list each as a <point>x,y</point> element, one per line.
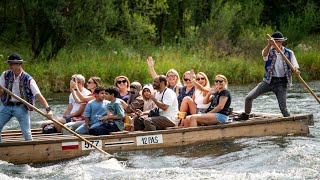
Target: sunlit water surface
<point>292,157</point>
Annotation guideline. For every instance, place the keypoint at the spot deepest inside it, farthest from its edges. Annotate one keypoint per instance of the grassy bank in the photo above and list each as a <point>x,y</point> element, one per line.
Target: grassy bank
<point>108,63</point>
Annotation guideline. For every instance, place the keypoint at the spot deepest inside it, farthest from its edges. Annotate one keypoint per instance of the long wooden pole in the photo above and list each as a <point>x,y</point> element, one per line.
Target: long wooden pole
<point>298,76</point>
<point>55,121</point>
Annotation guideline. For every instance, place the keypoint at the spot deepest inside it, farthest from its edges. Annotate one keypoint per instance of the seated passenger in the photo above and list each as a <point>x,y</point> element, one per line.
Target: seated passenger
<point>94,110</point>
<point>113,120</point>
<point>92,83</point>
<point>217,112</point>
<point>194,104</point>
<point>74,110</point>
<point>188,89</point>
<point>123,84</point>
<point>167,104</point>
<point>147,105</point>
<point>135,100</point>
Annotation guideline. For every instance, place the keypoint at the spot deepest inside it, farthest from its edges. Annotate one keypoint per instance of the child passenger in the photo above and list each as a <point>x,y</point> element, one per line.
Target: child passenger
<point>148,103</point>
<point>147,91</point>
<point>112,121</point>
<point>94,110</point>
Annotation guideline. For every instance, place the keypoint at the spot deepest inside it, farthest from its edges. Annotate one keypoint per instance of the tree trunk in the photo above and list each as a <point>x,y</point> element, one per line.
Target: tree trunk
<point>162,27</point>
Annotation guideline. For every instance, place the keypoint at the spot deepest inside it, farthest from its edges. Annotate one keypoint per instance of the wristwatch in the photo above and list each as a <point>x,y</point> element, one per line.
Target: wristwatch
<point>48,109</point>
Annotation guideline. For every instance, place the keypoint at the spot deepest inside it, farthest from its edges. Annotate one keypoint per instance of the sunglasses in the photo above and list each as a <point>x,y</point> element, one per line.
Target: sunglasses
<point>218,81</point>
<point>198,79</point>
<point>90,82</point>
<point>186,79</point>
<point>123,81</point>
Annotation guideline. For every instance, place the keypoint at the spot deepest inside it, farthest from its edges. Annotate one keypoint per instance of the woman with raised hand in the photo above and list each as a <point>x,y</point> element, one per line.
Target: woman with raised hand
<point>194,104</point>
<point>172,75</point>
<point>92,83</point>
<point>220,99</point>
<point>188,89</point>
<point>123,84</point>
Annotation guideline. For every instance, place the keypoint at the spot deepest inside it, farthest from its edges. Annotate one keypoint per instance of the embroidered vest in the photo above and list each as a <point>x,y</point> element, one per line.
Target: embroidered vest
<point>270,63</point>
<point>24,87</point>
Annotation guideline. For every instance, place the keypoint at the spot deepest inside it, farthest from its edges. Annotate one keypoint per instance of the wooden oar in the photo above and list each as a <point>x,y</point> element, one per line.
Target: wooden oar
<point>298,76</point>
<point>55,121</point>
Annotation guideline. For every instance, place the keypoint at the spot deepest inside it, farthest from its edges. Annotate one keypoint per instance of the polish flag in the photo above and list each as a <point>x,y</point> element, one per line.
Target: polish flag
<point>70,145</point>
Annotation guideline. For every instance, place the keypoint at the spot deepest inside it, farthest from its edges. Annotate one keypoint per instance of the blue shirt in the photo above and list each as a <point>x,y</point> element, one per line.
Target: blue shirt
<point>116,109</point>
<point>94,110</point>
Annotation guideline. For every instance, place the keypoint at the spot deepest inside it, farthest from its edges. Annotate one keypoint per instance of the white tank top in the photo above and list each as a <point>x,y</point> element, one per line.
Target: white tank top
<point>198,98</point>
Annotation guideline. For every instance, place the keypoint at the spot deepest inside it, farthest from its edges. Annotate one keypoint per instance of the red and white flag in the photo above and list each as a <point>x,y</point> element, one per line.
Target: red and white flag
<point>70,145</point>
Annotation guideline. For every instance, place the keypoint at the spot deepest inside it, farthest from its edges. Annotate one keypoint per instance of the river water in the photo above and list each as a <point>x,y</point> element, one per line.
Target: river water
<point>293,157</point>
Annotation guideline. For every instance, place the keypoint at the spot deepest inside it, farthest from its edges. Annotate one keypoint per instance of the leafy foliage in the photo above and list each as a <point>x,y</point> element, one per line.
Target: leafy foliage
<point>214,28</point>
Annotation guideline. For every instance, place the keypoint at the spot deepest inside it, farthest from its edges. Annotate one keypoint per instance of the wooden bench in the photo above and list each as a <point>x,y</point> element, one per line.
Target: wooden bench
<point>119,132</point>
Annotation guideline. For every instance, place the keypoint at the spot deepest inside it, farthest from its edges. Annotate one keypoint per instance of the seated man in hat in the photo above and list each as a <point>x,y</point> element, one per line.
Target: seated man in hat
<point>277,76</point>
<point>23,85</point>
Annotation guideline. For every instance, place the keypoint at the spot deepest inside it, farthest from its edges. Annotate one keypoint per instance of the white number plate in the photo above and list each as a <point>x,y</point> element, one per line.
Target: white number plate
<point>146,140</point>
<point>86,146</point>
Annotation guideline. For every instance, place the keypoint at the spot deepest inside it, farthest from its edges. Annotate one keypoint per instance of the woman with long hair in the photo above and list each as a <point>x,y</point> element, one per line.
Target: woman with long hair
<point>92,84</point>
<point>220,100</point>
<point>194,104</point>
<point>188,89</point>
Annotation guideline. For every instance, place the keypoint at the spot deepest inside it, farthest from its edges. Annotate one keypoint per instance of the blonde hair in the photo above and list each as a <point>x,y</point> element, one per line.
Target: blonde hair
<point>124,77</point>
<point>224,78</point>
<point>176,74</point>
<point>187,72</point>
<point>207,85</point>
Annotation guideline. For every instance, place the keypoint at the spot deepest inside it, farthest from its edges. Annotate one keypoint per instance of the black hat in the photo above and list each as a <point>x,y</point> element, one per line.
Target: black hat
<point>15,58</point>
<point>277,36</point>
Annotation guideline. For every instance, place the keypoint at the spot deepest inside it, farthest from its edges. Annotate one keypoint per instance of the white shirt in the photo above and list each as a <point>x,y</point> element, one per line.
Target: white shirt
<point>170,99</point>
<point>198,99</point>
<point>15,87</point>
<point>76,106</point>
<point>278,70</point>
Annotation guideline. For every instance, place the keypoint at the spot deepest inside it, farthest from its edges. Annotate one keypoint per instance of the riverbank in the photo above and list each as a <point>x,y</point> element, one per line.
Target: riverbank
<point>108,62</point>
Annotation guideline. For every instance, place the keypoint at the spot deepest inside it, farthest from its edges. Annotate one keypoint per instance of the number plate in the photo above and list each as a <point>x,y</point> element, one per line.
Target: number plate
<point>146,140</point>
<point>86,146</point>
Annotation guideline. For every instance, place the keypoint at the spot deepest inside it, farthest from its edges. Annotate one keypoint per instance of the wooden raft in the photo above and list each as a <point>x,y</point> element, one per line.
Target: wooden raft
<point>53,147</point>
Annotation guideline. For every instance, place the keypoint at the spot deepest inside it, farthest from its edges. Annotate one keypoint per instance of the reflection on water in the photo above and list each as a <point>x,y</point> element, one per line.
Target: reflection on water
<point>291,157</point>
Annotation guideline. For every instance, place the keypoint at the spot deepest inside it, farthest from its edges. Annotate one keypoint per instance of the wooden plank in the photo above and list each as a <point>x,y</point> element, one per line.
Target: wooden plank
<point>239,123</point>
<point>19,131</point>
<point>49,147</point>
